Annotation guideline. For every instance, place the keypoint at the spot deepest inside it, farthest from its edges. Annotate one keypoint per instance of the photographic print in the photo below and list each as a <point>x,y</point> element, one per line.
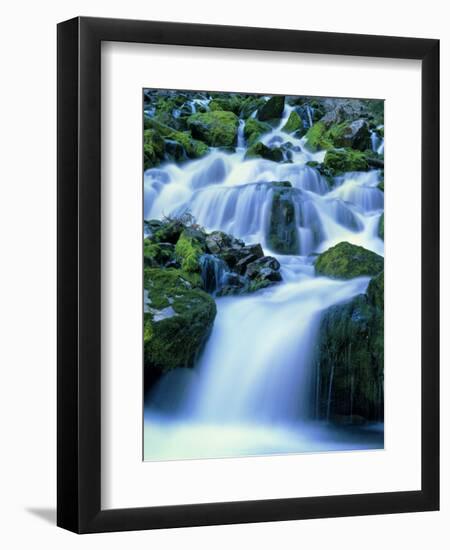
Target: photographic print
<point>263,274</point>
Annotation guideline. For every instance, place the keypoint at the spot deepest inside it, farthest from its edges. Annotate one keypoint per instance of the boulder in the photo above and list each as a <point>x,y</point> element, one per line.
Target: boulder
<point>259,150</point>
<point>174,150</point>
<point>350,358</point>
<point>215,128</point>
<point>177,321</point>
<point>354,134</point>
<point>254,129</point>
<point>283,226</point>
<point>345,261</point>
<point>192,147</point>
<point>250,104</point>
<point>158,254</point>
<point>168,232</point>
<point>272,109</point>
<point>339,161</point>
<point>153,149</point>
<point>226,102</point>
<point>294,123</point>
<point>237,256</point>
<point>217,241</point>
<point>267,262</point>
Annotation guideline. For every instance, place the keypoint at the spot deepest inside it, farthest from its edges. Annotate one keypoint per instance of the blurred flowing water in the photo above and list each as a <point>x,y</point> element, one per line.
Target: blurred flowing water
<point>250,393</point>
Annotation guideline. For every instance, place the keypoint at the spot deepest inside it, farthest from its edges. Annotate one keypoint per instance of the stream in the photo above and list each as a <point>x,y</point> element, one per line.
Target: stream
<point>250,393</point>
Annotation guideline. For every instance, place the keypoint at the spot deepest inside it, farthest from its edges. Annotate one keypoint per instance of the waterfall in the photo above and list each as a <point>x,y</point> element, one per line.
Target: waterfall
<point>310,113</point>
<point>254,384</point>
<point>240,135</point>
<point>377,143</point>
<point>214,273</point>
<point>265,376</point>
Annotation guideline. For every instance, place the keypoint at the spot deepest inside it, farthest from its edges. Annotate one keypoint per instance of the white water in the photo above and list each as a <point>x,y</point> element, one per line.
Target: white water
<point>250,392</point>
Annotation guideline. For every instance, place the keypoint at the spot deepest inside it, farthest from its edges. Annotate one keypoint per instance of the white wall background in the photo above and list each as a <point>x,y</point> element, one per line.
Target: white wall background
<point>28,271</point>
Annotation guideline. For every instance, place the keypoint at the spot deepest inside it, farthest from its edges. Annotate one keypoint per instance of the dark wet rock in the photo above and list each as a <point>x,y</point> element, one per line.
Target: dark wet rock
<point>283,226</point>
<point>272,109</point>
<point>174,150</point>
<point>381,227</point>
<point>218,241</point>
<point>350,358</point>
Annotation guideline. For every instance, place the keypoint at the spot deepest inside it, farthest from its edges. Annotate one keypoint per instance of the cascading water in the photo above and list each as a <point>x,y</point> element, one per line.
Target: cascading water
<point>251,390</point>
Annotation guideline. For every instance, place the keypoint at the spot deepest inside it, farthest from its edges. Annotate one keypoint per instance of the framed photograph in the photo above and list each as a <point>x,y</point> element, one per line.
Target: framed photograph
<point>248,275</point>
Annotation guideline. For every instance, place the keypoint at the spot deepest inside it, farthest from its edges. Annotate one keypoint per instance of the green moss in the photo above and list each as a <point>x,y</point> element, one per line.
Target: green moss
<point>354,134</point>
<point>381,227</point>
<point>157,254</point>
<point>345,160</point>
<point>317,137</point>
<point>231,102</point>
<point>345,261</point>
<point>259,150</point>
<point>250,104</point>
<point>258,284</point>
<point>178,322</point>
<point>188,250</point>
<point>216,128</point>
<point>293,123</point>
<point>194,148</point>
<point>254,129</point>
<point>153,148</point>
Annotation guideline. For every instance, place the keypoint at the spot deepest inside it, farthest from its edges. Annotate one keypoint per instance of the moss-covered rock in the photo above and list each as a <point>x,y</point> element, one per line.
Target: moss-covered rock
<point>259,150</point>
<point>345,261</point>
<point>216,128</point>
<point>226,102</point>
<point>177,321</point>
<point>317,137</point>
<point>350,358</point>
<point>345,160</point>
<point>294,123</point>
<point>272,109</point>
<point>153,148</point>
<point>254,129</point>
<point>283,232</point>
<point>381,227</point>
<point>158,254</point>
<point>353,134</point>
<point>375,291</point>
<point>250,104</point>
<point>193,147</point>
<point>168,232</point>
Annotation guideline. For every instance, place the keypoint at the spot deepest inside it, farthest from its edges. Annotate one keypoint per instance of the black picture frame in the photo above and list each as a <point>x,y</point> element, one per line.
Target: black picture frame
<point>79,276</point>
